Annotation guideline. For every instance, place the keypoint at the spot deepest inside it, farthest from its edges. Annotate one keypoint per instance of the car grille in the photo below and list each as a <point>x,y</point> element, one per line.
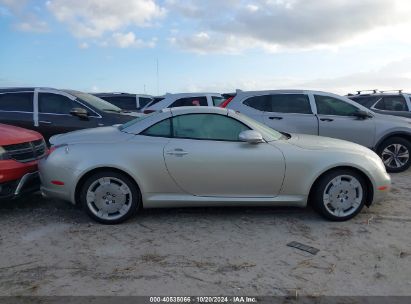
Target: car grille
<point>26,152</point>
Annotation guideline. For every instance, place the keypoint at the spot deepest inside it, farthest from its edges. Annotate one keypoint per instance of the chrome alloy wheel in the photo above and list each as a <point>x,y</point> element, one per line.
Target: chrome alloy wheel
<point>343,195</point>
<point>109,198</point>
<point>395,156</point>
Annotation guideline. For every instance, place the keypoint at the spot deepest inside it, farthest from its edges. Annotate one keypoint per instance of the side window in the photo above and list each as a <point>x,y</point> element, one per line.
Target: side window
<point>144,101</point>
<point>392,103</point>
<point>190,102</point>
<point>18,102</point>
<point>217,100</point>
<point>367,102</point>
<point>290,103</point>
<point>327,105</point>
<point>126,103</point>
<point>160,129</point>
<point>260,103</point>
<point>56,104</point>
<point>207,127</point>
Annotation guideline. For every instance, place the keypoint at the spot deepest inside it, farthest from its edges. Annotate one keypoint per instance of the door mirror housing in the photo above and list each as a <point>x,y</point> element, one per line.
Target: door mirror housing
<point>251,137</point>
<point>79,112</point>
<point>362,114</point>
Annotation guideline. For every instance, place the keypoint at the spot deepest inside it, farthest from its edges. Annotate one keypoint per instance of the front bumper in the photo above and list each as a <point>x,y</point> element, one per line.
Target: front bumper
<point>30,182</point>
<point>382,188</point>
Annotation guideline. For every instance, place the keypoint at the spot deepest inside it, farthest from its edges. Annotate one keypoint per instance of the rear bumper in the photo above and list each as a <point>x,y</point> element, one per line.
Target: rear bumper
<point>30,182</point>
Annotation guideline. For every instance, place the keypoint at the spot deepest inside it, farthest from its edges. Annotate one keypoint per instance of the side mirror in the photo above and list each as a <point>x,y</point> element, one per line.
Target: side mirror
<point>79,112</point>
<point>251,136</point>
<point>362,114</point>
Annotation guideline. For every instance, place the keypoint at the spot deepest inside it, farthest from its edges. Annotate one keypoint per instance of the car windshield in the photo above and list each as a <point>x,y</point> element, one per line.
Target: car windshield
<point>154,101</point>
<point>96,102</point>
<point>137,120</point>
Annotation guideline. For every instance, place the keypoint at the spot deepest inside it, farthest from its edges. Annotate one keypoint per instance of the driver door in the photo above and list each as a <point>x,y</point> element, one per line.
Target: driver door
<point>337,119</point>
<point>205,158</point>
<point>55,118</point>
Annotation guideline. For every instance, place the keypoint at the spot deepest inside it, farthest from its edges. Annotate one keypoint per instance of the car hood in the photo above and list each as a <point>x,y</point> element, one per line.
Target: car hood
<point>119,118</point>
<point>10,135</point>
<point>392,118</point>
<point>96,135</point>
<point>313,142</point>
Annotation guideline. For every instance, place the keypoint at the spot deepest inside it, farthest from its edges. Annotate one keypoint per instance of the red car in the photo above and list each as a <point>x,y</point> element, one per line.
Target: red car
<point>20,150</point>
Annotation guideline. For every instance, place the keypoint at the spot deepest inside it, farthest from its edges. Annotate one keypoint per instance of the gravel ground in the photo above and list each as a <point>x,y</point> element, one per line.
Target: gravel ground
<point>51,248</point>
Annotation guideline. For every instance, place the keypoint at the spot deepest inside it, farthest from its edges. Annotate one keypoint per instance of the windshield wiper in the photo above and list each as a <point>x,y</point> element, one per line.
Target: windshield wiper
<point>111,110</point>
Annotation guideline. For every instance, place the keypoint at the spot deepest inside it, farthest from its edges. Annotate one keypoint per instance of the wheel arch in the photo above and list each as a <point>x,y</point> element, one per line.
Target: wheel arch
<point>370,185</point>
<point>400,134</point>
<point>93,171</point>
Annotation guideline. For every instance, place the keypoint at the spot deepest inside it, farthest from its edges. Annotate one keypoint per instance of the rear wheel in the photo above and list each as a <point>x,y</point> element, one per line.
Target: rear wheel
<point>110,197</point>
<point>339,195</point>
<point>395,153</point>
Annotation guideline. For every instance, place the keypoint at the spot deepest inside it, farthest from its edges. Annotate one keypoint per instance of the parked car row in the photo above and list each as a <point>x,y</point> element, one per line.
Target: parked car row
<point>126,101</point>
<point>183,100</point>
<point>327,114</point>
<point>50,111</point>
<point>201,149</point>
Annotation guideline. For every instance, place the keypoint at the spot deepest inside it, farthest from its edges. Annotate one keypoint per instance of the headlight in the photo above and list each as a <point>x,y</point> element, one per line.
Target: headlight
<point>3,154</point>
<point>54,148</point>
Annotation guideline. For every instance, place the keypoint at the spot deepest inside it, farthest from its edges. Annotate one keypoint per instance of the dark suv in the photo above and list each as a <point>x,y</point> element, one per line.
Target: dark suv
<point>50,111</point>
<point>126,101</point>
<point>394,103</point>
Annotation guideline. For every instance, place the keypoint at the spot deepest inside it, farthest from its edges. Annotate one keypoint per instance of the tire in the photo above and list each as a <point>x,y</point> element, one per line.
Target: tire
<point>395,153</point>
<point>110,197</point>
<point>339,201</point>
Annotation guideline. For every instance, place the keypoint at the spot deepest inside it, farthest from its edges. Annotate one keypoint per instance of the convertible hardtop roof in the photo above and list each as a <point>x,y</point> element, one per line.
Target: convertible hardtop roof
<point>197,110</point>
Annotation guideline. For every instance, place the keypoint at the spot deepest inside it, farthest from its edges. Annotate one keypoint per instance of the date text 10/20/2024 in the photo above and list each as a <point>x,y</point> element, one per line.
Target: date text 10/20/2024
<point>203,299</point>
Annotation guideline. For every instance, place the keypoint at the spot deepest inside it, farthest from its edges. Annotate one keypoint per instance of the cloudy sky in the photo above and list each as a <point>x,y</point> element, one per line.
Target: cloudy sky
<point>206,45</point>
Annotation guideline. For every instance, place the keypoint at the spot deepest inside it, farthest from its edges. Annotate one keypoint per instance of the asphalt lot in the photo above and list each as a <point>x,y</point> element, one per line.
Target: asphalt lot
<point>51,248</point>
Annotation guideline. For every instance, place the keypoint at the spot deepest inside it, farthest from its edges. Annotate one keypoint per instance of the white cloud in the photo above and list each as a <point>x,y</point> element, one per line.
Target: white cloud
<point>393,76</point>
<point>26,21</point>
<point>206,43</point>
<point>14,5</point>
<point>286,24</point>
<point>32,23</point>
<point>83,45</point>
<point>124,40</point>
<point>94,18</point>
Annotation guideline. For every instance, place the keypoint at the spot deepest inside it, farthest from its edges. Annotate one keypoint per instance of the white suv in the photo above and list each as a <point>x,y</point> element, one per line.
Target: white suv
<point>331,115</point>
<point>184,100</point>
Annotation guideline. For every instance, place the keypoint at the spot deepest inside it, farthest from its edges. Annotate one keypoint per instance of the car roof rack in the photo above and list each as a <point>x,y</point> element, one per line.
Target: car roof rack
<point>374,91</point>
<point>388,91</point>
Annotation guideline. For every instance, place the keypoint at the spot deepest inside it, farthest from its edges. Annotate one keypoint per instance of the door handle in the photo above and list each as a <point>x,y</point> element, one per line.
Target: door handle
<point>45,122</point>
<point>275,118</point>
<point>327,119</point>
<point>177,152</point>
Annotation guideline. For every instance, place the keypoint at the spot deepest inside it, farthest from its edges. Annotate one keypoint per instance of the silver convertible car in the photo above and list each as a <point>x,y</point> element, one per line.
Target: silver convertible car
<point>200,156</point>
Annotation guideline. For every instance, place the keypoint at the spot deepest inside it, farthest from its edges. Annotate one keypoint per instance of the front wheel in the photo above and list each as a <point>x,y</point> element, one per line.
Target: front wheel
<point>110,197</point>
<point>395,153</point>
<point>339,195</point>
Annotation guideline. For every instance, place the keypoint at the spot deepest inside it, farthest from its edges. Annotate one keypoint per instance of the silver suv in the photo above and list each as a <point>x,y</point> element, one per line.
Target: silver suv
<point>327,114</point>
<point>394,103</point>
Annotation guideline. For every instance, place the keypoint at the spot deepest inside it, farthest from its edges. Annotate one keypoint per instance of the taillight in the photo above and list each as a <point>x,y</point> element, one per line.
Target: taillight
<point>226,102</point>
<point>148,111</point>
